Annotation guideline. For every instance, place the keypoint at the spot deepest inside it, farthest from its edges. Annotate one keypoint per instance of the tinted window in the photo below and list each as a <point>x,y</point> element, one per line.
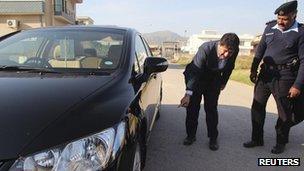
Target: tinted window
<point>68,49</point>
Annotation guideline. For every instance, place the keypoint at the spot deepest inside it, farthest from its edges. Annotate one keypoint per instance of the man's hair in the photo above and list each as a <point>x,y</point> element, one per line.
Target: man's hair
<point>231,40</point>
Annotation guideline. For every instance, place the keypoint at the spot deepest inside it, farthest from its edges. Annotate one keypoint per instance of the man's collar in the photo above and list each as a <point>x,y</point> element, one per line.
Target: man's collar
<point>294,27</point>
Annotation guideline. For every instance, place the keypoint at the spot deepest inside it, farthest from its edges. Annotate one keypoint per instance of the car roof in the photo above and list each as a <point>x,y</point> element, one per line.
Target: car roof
<point>84,27</point>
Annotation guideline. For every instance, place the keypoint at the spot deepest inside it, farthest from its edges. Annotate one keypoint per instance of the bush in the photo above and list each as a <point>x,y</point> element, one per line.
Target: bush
<point>184,59</point>
<point>241,75</point>
<point>243,62</point>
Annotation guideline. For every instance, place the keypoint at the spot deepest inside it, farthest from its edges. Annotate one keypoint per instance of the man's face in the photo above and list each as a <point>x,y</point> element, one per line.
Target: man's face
<point>224,52</point>
<point>285,21</point>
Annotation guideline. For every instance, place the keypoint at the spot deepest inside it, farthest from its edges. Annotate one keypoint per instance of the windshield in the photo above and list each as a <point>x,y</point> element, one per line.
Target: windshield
<point>63,49</point>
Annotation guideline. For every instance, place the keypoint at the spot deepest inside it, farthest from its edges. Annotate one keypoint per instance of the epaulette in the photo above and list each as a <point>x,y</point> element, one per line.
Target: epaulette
<point>270,22</point>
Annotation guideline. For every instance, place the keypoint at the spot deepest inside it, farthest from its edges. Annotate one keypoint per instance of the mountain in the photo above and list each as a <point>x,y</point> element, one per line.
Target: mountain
<point>156,38</point>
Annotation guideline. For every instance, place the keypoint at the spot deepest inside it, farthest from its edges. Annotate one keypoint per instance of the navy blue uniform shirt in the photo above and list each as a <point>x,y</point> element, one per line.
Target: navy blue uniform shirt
<point>282,47</point>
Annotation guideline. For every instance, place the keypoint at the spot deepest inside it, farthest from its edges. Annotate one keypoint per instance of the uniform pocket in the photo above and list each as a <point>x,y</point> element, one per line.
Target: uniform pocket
<point>283,87</point>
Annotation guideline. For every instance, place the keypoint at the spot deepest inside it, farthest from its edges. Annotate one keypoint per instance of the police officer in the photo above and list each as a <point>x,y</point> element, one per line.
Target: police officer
<point>282,74</point>
<point>207,75</point>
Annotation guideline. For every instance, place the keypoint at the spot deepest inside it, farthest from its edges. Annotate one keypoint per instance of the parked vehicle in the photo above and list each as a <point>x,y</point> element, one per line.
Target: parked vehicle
<point>77,98</point>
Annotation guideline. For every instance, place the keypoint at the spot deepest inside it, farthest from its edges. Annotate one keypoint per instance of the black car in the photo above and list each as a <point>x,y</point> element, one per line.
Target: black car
<point>77,98</point>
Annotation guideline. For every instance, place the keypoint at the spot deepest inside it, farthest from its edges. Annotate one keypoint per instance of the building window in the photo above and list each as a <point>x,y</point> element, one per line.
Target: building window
<point>65,6</point>
<point>242,43</point>
<point>61,6</point>
<point>58,5</point>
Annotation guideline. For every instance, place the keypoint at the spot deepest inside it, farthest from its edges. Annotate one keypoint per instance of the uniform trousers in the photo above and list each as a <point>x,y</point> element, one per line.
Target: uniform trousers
<point>279,88</point>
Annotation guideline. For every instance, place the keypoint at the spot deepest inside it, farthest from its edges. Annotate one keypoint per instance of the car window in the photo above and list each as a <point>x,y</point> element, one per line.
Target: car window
<point>147,47</point>
<point>136,66</point>
<point>140,51</point>
<point>18,52</point>
<point>67,49</point>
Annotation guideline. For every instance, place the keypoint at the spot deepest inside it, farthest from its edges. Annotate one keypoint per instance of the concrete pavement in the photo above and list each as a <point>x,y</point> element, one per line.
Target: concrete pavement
<point>165,149</point>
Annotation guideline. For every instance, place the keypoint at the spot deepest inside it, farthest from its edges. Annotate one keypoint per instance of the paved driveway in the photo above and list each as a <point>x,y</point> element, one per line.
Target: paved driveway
<point>165,149</point>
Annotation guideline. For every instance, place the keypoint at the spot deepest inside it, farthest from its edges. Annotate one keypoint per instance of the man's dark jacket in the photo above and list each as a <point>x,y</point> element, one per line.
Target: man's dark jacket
<point>205,66</point>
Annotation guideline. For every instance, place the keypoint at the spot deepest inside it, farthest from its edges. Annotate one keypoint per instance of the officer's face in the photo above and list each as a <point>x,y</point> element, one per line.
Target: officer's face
<point>285,21</point>
<point>224,52</point>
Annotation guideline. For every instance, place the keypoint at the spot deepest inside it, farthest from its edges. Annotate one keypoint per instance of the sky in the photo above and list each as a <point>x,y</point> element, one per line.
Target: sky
<point>185,17</point>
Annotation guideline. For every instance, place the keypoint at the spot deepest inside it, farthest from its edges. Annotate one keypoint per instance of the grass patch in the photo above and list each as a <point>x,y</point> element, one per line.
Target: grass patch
<point>243,62</point>
<point>184,59</point>
<point>241,75</point>
<point>241,70</point>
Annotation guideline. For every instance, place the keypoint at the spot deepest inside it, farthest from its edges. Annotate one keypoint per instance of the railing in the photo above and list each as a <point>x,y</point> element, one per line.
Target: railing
<point>64,12</point>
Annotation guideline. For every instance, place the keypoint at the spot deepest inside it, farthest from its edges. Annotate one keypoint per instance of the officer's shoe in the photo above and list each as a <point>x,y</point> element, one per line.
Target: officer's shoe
<point>251,144</point>
<point>213,145</point>
<point>189,140</point>
<point>278,149</point>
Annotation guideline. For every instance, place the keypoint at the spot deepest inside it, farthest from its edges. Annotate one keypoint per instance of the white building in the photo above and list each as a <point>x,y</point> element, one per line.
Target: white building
<point>84,20</point>
<point>196,40</point>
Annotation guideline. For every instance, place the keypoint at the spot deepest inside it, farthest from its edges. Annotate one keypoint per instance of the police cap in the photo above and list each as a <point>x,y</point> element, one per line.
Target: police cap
<point>286,8</point>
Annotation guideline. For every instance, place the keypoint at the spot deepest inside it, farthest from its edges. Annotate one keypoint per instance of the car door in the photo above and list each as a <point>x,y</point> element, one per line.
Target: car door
<point>157,81</point>
<point>148,98</point>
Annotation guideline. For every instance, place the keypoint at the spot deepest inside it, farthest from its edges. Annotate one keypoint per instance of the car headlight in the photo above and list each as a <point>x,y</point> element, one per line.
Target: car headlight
<point>90,153</point>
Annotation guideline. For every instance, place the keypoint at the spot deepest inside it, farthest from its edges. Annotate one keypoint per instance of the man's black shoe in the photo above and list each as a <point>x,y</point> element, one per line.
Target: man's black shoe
<point>278,149</point>
<point>189,141</point>
<point>251,144</point>
<point>213,145</point>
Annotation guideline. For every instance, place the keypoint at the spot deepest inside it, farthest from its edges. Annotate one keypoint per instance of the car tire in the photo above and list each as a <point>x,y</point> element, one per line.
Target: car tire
<point>132,157</point>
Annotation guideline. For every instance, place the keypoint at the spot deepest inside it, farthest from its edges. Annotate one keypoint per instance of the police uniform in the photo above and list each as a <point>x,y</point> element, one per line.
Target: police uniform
<point>204,76</point>
<point>282,53</point>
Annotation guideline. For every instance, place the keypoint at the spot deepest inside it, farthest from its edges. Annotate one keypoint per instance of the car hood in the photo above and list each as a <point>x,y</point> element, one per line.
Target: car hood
<point>30,104</point>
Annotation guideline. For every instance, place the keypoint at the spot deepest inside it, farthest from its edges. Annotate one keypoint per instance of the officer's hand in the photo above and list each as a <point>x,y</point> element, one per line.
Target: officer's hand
<point>293,92</point>
<point>185,101</point>
<point>253,77</point>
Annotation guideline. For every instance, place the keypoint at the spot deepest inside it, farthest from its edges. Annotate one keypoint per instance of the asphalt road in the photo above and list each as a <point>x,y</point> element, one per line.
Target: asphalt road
<point>165,148</point>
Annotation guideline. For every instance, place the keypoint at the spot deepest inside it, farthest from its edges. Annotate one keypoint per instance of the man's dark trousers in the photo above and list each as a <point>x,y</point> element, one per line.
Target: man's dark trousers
<point>210,89</point>
<point>279,89</point>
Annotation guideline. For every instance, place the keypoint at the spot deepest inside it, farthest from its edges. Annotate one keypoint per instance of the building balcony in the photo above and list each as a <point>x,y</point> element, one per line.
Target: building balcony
<point>78,1</point>
<point>21,7</point>
<point>64,14</point>
<point>65,17</point>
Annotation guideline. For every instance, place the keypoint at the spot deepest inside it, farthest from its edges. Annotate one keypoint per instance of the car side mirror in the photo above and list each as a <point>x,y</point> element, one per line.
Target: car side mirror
<point>155,64</point>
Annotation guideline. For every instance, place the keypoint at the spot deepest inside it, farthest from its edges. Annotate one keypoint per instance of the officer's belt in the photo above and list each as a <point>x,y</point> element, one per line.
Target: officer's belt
<point>278,67</point>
